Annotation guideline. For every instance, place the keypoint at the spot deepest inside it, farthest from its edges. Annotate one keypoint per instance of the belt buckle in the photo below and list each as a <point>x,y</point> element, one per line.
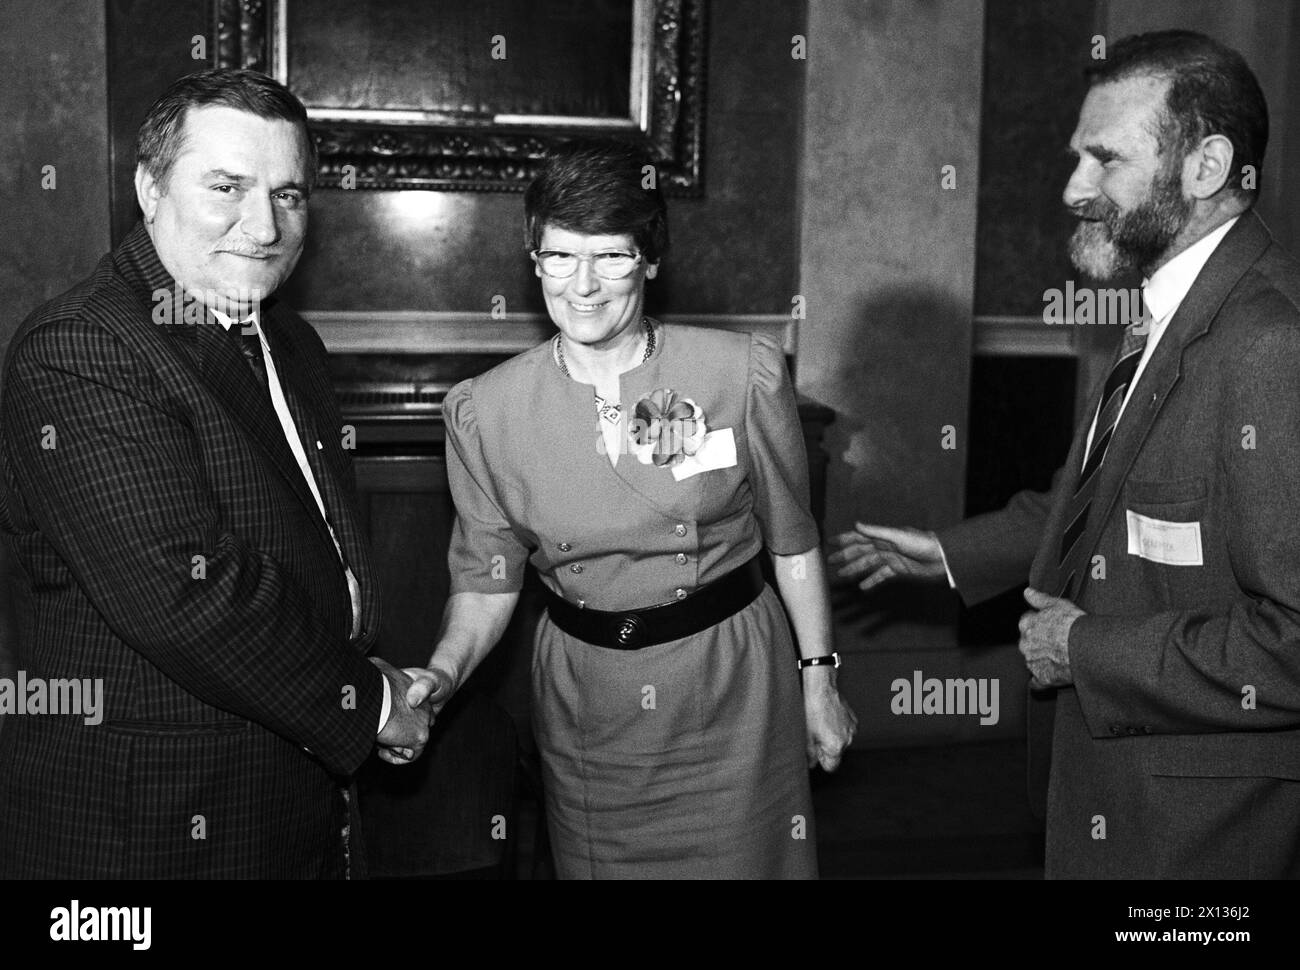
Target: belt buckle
<point>629,631</point>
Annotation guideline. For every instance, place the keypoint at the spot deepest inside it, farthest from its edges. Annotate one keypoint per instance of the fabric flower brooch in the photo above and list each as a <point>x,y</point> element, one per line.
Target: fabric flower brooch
<point>666,428</point>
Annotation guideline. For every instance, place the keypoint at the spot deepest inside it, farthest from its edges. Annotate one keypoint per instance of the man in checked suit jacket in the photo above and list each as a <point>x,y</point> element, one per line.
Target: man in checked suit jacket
<point>161,494</point>
<point>1176,749</point>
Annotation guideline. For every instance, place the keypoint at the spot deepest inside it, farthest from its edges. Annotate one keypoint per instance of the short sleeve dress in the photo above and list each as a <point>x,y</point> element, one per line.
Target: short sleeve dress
<point>685,759</point>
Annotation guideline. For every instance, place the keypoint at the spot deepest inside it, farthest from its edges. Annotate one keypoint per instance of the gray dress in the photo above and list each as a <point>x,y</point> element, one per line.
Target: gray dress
<point>680,760</point>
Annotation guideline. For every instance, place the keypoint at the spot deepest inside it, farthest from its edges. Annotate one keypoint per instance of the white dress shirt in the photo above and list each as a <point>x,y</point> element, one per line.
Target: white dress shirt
<point>294,440</point>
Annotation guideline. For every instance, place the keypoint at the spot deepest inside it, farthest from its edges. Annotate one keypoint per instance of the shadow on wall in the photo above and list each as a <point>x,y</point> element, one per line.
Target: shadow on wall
<point>901,380</point>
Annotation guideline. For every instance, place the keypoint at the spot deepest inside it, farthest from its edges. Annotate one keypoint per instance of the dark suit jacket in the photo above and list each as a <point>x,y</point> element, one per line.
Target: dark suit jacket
<point>1157,745</point>
<point>235,705</point>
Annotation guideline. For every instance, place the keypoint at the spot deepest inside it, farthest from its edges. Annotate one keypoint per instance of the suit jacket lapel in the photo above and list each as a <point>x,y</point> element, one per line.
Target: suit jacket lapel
<point>206,348</point>
<point>225,370</point>
<point>305,405</point>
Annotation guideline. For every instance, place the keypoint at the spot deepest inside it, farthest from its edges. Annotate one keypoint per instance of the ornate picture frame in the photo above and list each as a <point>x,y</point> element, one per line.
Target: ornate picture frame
<point>369,147</point>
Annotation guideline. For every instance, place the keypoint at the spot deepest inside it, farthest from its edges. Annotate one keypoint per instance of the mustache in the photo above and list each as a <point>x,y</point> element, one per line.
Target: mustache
<point>1097,210</point>
<point>255,253</point>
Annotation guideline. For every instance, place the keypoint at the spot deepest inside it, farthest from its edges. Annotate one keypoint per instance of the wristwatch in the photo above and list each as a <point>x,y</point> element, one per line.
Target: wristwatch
<point>827,660</point>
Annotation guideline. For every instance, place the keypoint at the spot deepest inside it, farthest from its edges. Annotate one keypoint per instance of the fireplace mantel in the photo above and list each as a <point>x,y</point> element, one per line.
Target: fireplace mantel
<point>441,332</point>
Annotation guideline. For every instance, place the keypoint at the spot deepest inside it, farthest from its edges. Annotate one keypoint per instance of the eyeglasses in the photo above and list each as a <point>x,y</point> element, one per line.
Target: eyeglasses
<point>614,265</point>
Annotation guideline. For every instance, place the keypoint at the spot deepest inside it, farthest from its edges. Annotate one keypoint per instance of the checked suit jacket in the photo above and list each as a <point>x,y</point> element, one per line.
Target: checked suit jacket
<point>175,551</point>
<point>1176,752</point>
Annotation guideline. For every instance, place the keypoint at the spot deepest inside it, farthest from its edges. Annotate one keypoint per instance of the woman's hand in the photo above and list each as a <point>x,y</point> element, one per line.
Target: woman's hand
<point>431,687</point>
<point>831,722</point>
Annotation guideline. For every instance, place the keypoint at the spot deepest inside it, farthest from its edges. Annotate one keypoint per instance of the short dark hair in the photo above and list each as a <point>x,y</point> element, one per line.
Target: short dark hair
<point>600,187</point>
<point>161,136</point>
<point>1212,91</point>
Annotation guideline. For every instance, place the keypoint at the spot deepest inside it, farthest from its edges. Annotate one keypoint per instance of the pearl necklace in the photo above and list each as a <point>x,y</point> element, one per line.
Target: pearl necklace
<point>649,347</point>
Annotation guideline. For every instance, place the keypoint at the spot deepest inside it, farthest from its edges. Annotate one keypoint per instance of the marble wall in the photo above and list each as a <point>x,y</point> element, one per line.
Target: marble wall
<point>52,95</point>
<point>887,265</point>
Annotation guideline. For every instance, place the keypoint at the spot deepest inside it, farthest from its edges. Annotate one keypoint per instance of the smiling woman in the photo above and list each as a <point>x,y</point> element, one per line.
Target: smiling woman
<point>666,694</point>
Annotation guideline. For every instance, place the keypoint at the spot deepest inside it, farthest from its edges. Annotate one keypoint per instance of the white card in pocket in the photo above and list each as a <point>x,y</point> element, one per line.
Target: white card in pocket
<point>718,450</point>
<point>1170,543</point>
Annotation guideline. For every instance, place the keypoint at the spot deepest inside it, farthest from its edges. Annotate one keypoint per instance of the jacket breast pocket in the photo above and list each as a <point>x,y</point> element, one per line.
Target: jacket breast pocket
<point>1168,536</point>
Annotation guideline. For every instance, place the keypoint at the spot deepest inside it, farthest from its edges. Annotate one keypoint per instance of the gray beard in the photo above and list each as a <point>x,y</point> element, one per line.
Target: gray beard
<point>1111,243</point>
<point>1095,253</point>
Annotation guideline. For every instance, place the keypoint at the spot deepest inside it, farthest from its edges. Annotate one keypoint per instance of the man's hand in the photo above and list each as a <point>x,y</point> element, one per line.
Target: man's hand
<point>1045,638</point>
<point>878,553</point>
<point>407,731</point>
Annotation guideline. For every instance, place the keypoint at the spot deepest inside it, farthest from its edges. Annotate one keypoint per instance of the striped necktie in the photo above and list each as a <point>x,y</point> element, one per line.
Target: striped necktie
<point>1073,551</point>
<point>250,345</point>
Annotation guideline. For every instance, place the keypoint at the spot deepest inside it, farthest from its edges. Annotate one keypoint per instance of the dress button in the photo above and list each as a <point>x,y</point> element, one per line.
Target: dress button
<point>681,559</point>
<point>681,593</point>
<point>680,529</point>
<point>576,568</point>
<point>565,547</point>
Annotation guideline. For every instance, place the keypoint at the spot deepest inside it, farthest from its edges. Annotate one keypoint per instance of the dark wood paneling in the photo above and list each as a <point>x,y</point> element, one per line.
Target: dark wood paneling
<point>1022,422</point>
<point>408,511</point>
<point>438,816</point>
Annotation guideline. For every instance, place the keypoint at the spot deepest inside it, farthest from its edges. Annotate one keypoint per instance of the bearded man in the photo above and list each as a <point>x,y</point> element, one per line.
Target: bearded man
<point>1164,562</point>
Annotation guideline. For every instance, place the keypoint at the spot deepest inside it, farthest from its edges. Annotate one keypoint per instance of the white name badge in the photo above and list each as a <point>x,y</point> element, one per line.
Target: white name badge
<point>1170,543</point>
<point>718,450</point>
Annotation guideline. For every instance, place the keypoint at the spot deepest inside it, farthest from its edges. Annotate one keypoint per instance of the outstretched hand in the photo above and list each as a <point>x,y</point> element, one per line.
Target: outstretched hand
<point>876,553</point>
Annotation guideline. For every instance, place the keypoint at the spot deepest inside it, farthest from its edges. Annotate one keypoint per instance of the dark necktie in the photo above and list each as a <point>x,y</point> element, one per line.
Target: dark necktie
<point>250,345</point>
<point>1073,550</point>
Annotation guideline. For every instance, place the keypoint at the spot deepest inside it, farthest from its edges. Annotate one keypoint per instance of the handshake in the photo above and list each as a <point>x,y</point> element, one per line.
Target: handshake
<point>418,695</point>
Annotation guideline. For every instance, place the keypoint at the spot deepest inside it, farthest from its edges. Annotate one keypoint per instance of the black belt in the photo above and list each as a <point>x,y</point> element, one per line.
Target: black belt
<point>634,629</point>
